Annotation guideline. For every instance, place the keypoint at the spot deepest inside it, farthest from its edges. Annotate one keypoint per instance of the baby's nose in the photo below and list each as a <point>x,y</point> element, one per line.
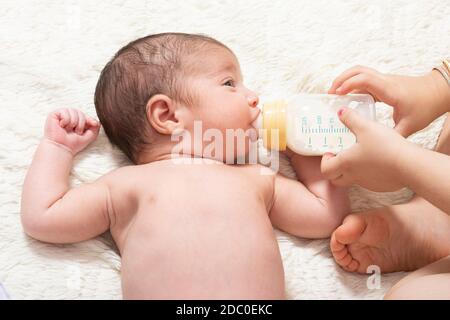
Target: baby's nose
<point>253,101</point>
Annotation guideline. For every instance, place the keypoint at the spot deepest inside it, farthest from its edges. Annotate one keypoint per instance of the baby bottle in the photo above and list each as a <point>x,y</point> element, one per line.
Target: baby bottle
<point>308,123</point>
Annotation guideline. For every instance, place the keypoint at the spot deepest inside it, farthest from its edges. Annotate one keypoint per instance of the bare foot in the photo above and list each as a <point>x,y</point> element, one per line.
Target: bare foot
<point>397,238</point>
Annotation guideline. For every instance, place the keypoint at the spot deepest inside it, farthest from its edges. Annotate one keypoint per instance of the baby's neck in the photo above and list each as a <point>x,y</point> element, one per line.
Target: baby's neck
<point>150,157</point>
<point>163,152</point>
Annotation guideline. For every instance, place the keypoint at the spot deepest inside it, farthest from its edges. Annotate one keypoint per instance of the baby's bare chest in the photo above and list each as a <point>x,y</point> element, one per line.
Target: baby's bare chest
<point>196,199</point>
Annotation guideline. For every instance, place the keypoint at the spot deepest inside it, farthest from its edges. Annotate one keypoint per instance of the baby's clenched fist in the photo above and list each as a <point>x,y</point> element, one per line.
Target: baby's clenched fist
<point>71,129</point>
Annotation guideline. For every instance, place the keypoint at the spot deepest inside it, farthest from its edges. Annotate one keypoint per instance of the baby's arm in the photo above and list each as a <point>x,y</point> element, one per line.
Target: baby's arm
<point>50,210</point>
<point>313,208</point>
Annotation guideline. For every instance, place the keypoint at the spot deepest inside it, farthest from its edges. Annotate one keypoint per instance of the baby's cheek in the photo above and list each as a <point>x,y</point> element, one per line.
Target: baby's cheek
<point>226,117</point>
<point>235,119</point>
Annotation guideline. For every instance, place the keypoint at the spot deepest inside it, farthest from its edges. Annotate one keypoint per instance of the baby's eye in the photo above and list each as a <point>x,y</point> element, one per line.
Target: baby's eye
<point>229,83</point>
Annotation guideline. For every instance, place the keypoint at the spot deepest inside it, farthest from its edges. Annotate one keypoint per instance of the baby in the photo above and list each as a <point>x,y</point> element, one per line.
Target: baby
<point>188,225</point>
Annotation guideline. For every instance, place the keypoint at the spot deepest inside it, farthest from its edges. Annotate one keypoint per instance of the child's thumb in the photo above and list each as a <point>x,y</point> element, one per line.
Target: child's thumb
<point>352,120</point>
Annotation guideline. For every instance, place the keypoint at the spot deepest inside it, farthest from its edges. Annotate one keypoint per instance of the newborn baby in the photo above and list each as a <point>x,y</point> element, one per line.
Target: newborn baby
<point>188,221</point>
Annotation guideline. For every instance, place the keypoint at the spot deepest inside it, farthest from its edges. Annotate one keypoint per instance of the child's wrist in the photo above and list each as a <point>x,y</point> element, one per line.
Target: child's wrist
<point>58,145</point>
<point>406,152</point>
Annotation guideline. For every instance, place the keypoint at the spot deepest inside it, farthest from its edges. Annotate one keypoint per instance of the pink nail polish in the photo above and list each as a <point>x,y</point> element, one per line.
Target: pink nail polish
<point>341,112</point>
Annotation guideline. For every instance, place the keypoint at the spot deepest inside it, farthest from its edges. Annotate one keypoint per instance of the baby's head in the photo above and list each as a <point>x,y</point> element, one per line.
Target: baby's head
<point>162,84</point>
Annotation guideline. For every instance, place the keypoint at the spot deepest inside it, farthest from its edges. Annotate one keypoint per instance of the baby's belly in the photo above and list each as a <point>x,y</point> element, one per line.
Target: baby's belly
<point>229,252</point>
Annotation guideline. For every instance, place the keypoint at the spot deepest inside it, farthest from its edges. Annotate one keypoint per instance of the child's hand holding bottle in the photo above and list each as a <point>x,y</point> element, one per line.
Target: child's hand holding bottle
<point>417,101</point>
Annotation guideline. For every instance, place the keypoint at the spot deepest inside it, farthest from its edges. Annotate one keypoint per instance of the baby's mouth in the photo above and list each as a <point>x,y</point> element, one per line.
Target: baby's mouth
<point>258,114</point>
<point>256,117</point>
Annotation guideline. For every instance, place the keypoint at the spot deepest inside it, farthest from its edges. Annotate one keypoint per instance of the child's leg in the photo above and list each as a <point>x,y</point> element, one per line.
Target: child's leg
<point>443,144</point>
<point>430,282</point>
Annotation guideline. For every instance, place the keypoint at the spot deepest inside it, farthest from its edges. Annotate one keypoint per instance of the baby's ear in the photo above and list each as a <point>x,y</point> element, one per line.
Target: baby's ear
<point>161,114</point>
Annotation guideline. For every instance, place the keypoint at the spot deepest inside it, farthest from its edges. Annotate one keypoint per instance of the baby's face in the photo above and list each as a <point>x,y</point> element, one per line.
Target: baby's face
<point>221,99</point>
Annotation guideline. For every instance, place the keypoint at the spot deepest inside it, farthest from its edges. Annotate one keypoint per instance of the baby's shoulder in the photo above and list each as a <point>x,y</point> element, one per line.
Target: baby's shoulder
<point>123,178</point>
<point>127,182</point>
<point>259,170</point>
<point>263,180</point>
<point>119,173</point>
<point>260,175</point>
<point>135,174</point>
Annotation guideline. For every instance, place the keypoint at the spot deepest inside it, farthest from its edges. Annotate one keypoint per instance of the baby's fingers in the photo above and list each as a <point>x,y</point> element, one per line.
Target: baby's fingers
<point>73,119</point>
<point>92,122</point>
<point>63,116</point>
<point>81,123</point>
<point>91,133</point>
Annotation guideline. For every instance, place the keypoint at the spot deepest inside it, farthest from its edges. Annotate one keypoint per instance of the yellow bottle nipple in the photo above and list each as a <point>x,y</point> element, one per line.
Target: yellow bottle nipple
<point>274,125</point>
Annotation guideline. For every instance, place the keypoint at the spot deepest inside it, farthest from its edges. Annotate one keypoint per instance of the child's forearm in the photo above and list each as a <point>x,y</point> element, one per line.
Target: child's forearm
<point>47,179</point>
<point>427,173</point>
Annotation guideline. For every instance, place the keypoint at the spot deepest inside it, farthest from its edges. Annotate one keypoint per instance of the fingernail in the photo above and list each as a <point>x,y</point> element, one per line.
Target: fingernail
<point>341,112</point>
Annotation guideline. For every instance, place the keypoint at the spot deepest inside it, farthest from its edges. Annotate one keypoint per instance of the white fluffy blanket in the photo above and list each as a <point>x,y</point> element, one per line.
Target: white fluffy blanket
<point>51,56</point>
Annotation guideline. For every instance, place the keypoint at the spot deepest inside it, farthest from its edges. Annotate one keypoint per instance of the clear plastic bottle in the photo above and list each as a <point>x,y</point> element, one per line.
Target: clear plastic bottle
<point>308,123</point>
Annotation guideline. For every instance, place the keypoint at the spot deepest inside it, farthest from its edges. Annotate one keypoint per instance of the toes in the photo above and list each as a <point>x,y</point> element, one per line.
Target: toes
<point>353,266</point>
<point>342,255</point>
<point>348,263</point>
<point>351,229</point>
<point>338,249</point>
<point>345,260</point>
<point>335,245</point>
<point>339,255</point>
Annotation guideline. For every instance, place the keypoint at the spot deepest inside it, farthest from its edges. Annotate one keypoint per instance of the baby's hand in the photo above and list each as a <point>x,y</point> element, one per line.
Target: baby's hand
<point>289,153</point>
<point>71,129</point>
<point>417,101</point>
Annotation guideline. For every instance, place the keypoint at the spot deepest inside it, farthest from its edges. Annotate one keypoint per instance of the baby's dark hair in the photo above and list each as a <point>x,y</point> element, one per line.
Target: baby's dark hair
<point>151,65</point>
